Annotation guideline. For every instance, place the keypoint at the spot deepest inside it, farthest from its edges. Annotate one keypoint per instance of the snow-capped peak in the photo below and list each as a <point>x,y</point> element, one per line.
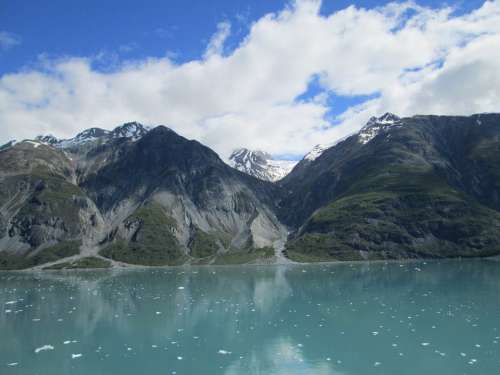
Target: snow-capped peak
<point>375,125</point>
<point>260,164</point>
<point>132,130</point>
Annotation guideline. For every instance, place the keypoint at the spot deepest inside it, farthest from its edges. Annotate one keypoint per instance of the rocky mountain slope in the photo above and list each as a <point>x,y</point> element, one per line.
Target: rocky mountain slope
<point>131,195</point>
<point>425,186</point>
<point>260,164</point>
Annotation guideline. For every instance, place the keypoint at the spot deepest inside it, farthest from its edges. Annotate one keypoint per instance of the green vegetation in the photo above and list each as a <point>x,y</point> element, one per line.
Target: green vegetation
<point>87,262</point>
<point>56,252</point>
<point>153,244</point>
<point>50,254</point>
<point>203,244</point>
<point>384,225</point>
<point>244,257</point>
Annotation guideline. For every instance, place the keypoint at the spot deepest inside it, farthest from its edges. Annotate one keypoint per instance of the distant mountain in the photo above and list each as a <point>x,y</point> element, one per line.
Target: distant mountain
<point>423,186</point>
<point>130,130</point>
<point>260,164</point>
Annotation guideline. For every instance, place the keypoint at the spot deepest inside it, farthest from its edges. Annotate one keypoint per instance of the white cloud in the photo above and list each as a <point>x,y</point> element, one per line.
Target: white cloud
<point>417,59</point>
<point>216,44</point>
<point>8,40</point>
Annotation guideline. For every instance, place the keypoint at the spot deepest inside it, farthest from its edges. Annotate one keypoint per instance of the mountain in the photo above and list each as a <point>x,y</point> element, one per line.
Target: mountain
<point>131,195</point>
<point>423,186</point>
<point>260,164</point>
<point>413,187</point>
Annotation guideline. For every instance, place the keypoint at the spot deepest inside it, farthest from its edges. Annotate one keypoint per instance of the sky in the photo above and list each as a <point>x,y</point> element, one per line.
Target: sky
<point>280,76</point>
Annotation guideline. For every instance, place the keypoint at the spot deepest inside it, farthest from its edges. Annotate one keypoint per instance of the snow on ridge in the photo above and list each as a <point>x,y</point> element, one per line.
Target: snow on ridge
<point>366,134</point>
<point>131,130</point>
<point>318,150</point>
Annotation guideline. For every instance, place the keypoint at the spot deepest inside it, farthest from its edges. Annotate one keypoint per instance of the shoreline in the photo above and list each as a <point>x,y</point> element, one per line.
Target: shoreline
<point>136,267</point>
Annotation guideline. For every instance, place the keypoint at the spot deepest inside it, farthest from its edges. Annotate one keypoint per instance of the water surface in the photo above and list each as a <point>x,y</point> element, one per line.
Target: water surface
<point>412,318</point>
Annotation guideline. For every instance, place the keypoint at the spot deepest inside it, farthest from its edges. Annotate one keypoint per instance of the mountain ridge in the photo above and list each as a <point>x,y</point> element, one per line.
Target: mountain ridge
<point>411,187</point>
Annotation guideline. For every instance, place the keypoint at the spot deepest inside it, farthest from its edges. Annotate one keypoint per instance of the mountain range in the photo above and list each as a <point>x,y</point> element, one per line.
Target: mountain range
<point>415,187</point>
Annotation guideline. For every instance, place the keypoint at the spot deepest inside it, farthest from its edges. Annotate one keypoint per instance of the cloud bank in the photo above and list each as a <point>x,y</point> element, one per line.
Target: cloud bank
<point>407,58</point>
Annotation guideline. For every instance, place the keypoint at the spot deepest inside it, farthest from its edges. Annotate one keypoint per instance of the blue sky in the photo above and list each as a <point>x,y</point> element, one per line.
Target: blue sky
<point>122,30</point>
<point>56,56</point>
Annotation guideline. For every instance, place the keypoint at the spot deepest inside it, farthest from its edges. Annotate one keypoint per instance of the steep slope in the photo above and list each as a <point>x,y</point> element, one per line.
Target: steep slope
<point>260,164</point>
<point>43,214</point>
<point>425,186</point>
<point>186,184</point>
<point>134,195</point>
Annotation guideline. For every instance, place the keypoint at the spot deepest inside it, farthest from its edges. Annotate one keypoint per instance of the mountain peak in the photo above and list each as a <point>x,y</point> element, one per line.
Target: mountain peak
<point>388,117</point>
<point>132,130</point>
<point>260,164</point>
<point>47,139</point>
<point>377,124</point>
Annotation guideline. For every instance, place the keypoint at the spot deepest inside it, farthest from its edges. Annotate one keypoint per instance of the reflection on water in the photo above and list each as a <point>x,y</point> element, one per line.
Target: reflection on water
<point>411,318</point>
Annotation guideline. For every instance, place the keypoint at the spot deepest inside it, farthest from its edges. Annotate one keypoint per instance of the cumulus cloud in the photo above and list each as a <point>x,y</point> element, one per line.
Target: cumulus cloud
<point>410,60</point>
<point>8,40</point>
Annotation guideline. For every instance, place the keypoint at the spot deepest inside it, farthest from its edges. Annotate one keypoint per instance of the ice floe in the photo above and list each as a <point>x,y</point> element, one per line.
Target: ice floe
<point>44,348</point>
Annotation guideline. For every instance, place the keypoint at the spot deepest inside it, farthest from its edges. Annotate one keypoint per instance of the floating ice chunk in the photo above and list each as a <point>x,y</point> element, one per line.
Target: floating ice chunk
<point>12,364</point>
<point>44,348</point>
<point>67,342</point>
<point>463,354</point>
<point>158,313</point>
<point>374,333</point>
<point>376,364</point>
<point>10,302</point>
<point>425,344</point>
<point>73,356</point>
<point>181,288</point>
<point>223,352</point>
<point>179,358</point>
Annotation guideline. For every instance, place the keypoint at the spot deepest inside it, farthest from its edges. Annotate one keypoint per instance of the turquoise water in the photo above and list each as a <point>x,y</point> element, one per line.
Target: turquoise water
<point>413,318</point>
